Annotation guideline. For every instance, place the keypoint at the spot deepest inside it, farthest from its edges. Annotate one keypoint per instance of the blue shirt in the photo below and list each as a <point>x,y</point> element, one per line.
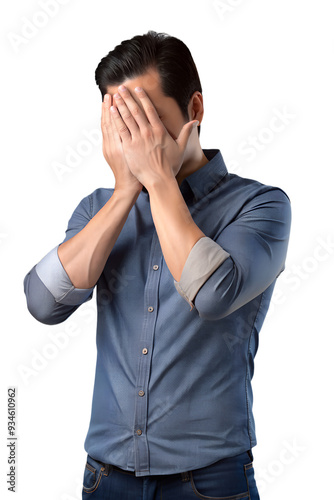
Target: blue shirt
<point>175,359</point>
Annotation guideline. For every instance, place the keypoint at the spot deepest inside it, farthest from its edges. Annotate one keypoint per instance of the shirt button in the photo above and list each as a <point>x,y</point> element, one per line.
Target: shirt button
<point>150,309</point>
<point>145,351</point>
<point>155,267</point>
<point>141,393</point>
<point>139,432</point>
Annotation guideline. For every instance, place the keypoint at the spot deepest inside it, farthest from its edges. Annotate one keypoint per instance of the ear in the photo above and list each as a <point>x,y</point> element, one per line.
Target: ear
<point>196,107</point>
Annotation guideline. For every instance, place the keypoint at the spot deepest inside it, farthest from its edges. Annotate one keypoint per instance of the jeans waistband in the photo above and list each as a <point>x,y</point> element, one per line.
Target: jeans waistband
<point>110,467</point>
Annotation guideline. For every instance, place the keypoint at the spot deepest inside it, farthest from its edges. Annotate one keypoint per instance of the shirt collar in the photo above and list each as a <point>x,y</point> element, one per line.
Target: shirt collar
<point>202,181</point>
<point>198,184</point>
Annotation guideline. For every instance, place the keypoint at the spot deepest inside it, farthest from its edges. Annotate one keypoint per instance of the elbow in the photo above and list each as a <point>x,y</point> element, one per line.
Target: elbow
<point>39,313</point>
<point>42,312</point>
<point>42,305</point>
<point>49,316</point>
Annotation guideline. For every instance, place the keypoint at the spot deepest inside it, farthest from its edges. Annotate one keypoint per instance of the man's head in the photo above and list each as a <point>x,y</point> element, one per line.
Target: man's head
<point>163,66</point>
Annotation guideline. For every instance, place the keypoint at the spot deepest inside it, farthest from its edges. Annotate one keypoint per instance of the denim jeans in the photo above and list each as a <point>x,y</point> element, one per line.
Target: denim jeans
<point>230,479</point>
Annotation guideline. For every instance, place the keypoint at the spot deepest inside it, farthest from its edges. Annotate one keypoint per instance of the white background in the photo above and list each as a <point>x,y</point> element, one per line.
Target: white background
<point>256,58</point>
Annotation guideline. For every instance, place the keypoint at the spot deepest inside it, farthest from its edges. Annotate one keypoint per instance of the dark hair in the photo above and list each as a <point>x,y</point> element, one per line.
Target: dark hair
<point>167,54</point>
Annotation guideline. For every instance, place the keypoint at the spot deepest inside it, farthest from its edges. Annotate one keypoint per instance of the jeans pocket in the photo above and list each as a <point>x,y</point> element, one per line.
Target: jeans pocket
<point>250,477</point>
<point>216,488</point>
<point>208,490</point>
<point>92,475</point>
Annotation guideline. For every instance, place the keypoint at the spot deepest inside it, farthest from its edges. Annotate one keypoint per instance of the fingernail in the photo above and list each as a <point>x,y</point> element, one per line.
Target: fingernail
<point>113,109</point>
<point>106,97</point>
<point>138,89</point>
<point>122,88</point>
<point>117,96</point>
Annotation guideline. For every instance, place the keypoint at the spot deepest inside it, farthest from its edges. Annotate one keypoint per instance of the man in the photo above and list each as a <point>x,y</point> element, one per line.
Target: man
<point>184,257</point>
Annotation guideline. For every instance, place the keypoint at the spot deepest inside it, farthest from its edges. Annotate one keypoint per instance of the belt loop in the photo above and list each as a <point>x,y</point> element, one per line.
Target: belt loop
<point>185,477</point>
<point>250,455</point>
<point>106,468</point>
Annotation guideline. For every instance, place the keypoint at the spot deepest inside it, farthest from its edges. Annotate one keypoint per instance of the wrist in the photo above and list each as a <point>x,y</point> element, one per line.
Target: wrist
<point>127,192</point>
<point>161,182</point>
<point>128,187</point>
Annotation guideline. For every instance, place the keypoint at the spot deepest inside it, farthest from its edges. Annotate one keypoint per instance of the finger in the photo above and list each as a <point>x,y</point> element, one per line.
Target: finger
<point>185,134</point>
<point>105,116</point>
<point>137,113</point>
<point>121,127</point>
<point>109,130</point>
<point>126,115</point>
<point>115,133</point>
<point>149,108</point>
<point>105,125</point>
<point>111,139</point>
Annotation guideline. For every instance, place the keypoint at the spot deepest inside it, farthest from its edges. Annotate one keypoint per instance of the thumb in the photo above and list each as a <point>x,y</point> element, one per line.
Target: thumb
<point>185,134</point>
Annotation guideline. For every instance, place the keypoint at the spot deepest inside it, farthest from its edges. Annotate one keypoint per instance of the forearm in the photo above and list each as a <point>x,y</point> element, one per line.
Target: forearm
<point>175,227</point>
<point>85,254</point>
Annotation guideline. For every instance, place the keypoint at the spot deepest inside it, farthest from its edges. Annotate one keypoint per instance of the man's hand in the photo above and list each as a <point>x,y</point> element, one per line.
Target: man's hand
<point>149,150</point>
<point>113,151</point>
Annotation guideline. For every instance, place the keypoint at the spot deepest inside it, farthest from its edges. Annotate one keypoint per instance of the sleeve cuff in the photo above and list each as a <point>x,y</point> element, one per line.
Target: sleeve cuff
<point>204,258</point>
<point>53,275</point>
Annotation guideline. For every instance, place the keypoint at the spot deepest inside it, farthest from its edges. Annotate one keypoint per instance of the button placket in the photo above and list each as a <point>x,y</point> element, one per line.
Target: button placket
<point>146,343</point>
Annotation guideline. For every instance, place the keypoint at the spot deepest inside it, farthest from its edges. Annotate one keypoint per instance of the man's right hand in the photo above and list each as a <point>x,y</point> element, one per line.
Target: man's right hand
<point>113,151</point>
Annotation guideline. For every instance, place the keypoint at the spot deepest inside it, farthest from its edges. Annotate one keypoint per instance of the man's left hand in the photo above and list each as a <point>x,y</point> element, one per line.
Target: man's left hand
<point>150,151</point>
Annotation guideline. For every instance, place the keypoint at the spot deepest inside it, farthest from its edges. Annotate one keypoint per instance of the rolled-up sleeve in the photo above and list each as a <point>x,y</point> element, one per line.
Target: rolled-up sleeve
<point>51,296</point>
<point>204,258</point>
<point>253,249</point>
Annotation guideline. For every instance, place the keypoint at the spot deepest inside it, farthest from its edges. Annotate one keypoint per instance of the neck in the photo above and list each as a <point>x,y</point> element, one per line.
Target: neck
<point>189,166</point>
